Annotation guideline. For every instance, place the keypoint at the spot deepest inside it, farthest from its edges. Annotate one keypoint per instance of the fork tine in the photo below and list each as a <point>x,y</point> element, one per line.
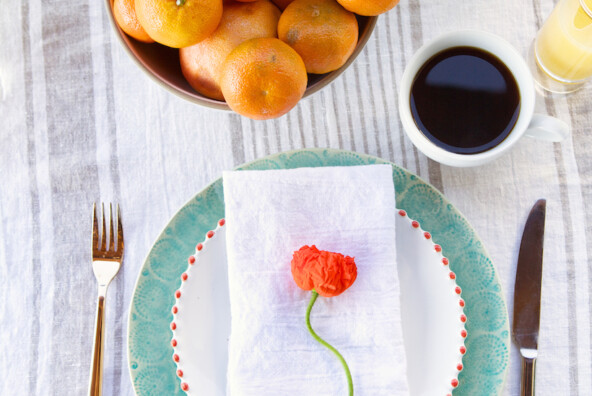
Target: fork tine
<point>95,231</point>
<point>119,232</point>
<point>104,230</point>
<point>111,243</point>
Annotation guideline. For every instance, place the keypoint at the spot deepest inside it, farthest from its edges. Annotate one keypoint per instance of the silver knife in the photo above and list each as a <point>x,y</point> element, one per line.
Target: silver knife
<point>527,293</point>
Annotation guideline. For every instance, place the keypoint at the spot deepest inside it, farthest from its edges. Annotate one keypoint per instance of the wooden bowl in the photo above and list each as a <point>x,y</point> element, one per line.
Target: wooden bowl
<point>161,63</point>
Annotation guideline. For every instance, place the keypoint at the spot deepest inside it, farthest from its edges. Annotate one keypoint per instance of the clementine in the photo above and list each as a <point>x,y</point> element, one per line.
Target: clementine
<point>282,4</point>
<point>368,7</point>
<point>124,12</point>
<point>201,63</point>
<point>179,23</point>
<point>263,78</point>
<point>322,32</point>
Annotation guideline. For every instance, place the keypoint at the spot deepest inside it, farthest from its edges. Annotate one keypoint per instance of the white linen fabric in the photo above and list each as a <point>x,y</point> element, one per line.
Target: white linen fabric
<point>81,123</point>
<point>270,214</point>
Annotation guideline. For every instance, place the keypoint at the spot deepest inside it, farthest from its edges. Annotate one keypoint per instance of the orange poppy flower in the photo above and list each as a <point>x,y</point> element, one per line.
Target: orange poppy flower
<point>328,273</point>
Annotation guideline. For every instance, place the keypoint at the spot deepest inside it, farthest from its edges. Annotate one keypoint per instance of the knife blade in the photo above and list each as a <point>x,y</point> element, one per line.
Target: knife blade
<point>527,293</point>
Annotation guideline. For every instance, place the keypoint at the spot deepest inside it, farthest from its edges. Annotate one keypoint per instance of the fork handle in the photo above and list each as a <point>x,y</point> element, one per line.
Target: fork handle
<point>96,373</point>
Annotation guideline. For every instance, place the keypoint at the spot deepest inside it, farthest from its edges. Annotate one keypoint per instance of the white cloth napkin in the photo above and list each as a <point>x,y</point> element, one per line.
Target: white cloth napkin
<point>270,214</point>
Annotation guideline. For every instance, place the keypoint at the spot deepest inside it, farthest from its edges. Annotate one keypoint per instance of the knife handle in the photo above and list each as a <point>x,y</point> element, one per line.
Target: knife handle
<point>528,369</point>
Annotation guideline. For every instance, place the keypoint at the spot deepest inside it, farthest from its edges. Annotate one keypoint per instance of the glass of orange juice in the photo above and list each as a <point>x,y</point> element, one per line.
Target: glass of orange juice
<point>563,47</point>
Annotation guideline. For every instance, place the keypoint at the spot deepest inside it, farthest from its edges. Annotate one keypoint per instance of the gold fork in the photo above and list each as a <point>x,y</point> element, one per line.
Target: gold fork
<point>106,264</point>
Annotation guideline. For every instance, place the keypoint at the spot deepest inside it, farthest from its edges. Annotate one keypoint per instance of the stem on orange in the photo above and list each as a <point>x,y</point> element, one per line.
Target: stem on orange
<point>350,383</point>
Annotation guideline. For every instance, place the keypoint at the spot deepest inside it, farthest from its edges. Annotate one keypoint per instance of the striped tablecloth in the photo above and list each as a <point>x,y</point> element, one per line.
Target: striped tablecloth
<point>80,123</point>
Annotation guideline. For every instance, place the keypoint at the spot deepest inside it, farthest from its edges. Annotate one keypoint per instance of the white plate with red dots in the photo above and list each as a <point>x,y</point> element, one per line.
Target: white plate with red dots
<point>433,320</point>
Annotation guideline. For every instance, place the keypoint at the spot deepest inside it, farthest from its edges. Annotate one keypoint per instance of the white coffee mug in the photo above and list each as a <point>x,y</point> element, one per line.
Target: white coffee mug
<point>534,125</point>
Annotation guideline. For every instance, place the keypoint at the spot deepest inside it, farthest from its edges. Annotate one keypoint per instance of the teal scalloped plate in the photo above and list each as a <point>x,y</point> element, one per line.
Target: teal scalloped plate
<point>488,342</point>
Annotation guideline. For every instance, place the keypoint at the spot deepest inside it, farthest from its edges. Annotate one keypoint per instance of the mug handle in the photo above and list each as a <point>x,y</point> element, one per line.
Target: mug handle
<point>547,128</point>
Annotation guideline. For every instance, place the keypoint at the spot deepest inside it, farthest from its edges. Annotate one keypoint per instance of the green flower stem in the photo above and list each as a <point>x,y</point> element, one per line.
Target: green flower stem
<point>350,383</point>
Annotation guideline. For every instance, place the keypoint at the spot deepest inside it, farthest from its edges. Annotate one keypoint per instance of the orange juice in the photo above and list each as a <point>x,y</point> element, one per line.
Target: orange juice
<point>563,46</point>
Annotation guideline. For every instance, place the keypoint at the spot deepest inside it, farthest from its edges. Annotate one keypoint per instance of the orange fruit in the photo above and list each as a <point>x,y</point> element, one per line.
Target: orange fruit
<point>179,23</point>
<point>282,3</point>
<point>322,32</point>
<point>263,78</point>
<point>368,7</point>
<point>201,63</point>
<point>124,12</point>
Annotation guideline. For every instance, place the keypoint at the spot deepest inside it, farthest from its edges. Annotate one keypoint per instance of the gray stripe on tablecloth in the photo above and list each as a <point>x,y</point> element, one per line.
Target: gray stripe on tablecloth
<point>582,148</point>
<point>358,95</point>
<point>325,121</point>
<point>290,135</point>
<point>416,41</point>
<point>35,216</point>
<point>387,112</point>
<point>264,128</point>
<point>118,331</point>
<point>313,123</point>
<point>300,124</point>
<point>569,248</point>
<point>269,129</point>
<point>570,268</point>
<point>403,57</point>
<point>373,100</point>
<point>350,124</point>
<point>237,139</point>
<point>434,169</point>
<point>253,127</point>
<point>74,186</point>
<point>337,124</point>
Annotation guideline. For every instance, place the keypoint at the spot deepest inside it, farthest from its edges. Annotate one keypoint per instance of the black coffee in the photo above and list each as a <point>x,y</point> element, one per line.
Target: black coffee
<point>465,100</point>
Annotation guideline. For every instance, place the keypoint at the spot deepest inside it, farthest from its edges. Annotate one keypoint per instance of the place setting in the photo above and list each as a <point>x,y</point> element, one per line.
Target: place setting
<point>218,306</point>
<point>304,213</point>
<point>215,310</point>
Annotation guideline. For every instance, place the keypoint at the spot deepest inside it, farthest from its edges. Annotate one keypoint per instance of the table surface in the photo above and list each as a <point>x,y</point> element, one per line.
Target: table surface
<point>81,123</point>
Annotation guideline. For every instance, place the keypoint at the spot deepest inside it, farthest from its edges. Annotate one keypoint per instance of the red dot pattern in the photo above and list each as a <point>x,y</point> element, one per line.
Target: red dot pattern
<point>454,382</point>
<point>184,276</point>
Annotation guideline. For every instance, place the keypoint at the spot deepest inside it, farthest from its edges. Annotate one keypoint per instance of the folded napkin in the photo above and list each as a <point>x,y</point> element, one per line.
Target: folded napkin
<point>270,214</point>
